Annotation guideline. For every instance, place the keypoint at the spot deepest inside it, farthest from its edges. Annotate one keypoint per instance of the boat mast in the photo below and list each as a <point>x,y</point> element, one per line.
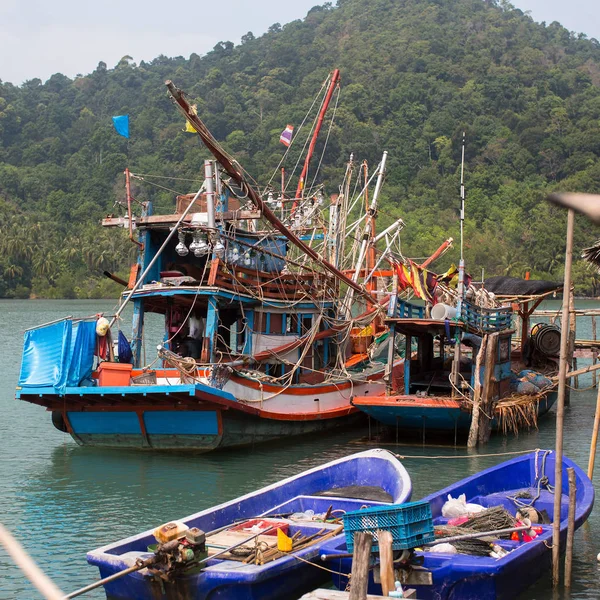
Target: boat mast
<point>235,172</point>
<point>367,235</point>
<point>335,78</point>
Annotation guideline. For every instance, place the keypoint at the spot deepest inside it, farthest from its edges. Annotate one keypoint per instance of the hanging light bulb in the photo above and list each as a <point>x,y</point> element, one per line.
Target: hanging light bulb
<point>235,253</point>
<point>202,248</point>
<point>271,199</point>
<point>247,259</point>
<point>219,248</point>
<point>195,241</point>
<point>320,198</point>
<point>181,248</point>
<point>279,202</point>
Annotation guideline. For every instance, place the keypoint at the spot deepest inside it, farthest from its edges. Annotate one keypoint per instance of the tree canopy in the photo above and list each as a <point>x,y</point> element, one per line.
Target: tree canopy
<point>415,75</point>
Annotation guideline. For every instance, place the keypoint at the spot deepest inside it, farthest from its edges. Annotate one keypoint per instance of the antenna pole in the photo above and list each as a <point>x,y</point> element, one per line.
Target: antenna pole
<point>461,264</point>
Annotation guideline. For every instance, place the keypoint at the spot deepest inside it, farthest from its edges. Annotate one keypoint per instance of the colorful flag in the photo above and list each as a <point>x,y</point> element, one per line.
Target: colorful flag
<point>286,135</point>
<point>189,128</point>
<point>121,124</point>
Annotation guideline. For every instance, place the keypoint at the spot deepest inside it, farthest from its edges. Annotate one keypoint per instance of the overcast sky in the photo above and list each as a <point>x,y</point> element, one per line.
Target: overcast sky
<point>42,37</point>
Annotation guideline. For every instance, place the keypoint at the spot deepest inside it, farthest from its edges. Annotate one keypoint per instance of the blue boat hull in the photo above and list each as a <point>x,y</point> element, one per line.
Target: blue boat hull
<point>425,416</point>
<point>464,577</point>
<point>281,578</point>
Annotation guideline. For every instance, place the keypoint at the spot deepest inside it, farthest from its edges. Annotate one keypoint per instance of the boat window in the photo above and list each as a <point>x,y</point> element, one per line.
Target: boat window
<point>276,323</point>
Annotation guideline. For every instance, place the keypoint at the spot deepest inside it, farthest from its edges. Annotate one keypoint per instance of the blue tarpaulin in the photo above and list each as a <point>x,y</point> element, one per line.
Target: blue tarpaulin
<point>58,355</point>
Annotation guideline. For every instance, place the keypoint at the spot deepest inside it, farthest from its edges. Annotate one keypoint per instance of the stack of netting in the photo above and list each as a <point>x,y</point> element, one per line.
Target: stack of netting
<point>491,519</point>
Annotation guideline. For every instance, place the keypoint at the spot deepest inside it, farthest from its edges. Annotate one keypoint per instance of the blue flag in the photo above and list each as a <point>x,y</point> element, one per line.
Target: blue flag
<point>121,124</point>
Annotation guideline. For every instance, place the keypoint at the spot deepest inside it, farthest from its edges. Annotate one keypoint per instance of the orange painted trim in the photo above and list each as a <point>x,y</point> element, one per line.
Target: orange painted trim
<point>313,416</point>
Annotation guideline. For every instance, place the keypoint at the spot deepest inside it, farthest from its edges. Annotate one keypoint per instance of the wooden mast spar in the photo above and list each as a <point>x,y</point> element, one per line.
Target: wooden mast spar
<point>235,172</point>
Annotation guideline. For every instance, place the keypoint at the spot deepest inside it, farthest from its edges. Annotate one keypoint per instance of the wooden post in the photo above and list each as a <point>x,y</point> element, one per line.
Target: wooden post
<point>386,562</point>
<point>572,334</point>
<point>594,351</point>
<point>359,578</point>
<point>524,325</point>
<point>474,430</point>
<point>594,437</point>
<point>560,406</point>
<point>570,526</point>
<point>486,410</point>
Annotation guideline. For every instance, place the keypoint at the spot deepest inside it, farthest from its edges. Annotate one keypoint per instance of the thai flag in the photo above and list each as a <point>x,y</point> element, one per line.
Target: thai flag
<point>286,135</point>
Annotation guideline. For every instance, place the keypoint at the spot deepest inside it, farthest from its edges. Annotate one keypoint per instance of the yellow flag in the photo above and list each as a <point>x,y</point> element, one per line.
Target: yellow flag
<point>189,127</point>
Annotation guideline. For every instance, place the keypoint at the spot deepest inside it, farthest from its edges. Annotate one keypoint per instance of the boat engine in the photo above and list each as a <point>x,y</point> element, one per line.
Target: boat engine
<point>179,555</point>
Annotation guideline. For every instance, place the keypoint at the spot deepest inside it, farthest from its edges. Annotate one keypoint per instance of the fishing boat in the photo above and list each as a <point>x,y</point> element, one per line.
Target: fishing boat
<point>271,319</point>
<point>461,373</point>
<point>306,508</point>
<point>436,397</point>
<point>522,484</point>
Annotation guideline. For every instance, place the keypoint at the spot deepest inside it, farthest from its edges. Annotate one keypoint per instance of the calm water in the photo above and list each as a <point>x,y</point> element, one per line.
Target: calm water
<point>62,500</point>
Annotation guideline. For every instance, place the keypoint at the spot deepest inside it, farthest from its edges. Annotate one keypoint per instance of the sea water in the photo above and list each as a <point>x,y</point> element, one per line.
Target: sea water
<point>61,500</point>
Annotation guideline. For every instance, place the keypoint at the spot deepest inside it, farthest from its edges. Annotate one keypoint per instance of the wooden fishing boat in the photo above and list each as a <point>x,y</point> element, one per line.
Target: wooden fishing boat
<point>304,506</point>
<point>258,340</point>
<point>445,375</point>
<point>524,481</point>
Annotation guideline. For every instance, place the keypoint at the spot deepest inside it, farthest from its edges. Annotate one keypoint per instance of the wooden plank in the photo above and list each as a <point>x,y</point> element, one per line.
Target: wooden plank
<point>322,594</point>
<point>240,215</point>
<point>386,562</point>
<point>363,541</point>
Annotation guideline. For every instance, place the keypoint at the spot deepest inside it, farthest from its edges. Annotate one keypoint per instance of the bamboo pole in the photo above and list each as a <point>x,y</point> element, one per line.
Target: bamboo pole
<point>570,526</point>
<point>42,583</point>
<point>594,441</point>
<point>572,334</point>
<point>386,562</point>
<point>594,351</point>
<point>359,578</point>
<point>560,409</point>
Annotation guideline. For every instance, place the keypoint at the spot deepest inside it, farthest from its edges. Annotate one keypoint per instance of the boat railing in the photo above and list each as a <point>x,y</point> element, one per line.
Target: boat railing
<point>288,286</point>
<point>401,309</point>
<point>486,320</point>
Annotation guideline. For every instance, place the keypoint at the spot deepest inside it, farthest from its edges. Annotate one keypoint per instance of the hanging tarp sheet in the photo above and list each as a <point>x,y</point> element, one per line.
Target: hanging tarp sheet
<point>58,355</point>
<point>82,352</point>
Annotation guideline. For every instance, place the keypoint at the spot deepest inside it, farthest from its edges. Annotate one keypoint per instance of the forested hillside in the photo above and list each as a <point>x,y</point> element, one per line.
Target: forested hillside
<point>415,74</point>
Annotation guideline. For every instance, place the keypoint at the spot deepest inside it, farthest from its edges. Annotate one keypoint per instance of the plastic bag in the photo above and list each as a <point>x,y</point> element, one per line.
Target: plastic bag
<point>458,507</point>
<point>443,548</point>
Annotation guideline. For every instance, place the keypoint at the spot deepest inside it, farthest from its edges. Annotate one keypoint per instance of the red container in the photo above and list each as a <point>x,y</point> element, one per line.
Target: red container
<point>114,374</point>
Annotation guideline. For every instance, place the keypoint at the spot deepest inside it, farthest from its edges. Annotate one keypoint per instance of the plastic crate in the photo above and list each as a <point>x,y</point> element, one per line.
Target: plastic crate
<point>410,524</point>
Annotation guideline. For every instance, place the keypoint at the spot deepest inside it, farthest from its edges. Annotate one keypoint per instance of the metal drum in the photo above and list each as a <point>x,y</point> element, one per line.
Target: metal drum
<point>546,339</point>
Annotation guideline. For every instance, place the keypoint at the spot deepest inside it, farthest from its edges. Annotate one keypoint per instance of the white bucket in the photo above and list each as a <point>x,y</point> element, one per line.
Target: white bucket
<point>441,312</point>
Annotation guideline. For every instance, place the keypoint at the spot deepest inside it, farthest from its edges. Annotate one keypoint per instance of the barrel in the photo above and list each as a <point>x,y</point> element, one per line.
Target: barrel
<point>546,339</point>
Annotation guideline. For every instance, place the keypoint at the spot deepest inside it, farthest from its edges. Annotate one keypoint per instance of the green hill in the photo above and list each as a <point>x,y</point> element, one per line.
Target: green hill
<point>415,74</point>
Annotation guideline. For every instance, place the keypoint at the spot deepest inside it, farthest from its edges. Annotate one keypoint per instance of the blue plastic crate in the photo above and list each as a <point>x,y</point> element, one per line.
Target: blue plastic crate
<point>410,524</point>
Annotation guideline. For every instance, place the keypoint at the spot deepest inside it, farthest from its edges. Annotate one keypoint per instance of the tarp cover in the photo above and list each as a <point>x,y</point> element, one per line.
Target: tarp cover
<point>515,286</point>
<point>58,355</point>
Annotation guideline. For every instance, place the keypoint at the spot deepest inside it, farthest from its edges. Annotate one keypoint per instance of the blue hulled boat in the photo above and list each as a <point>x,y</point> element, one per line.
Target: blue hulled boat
<point>442,379</point>
<point>525,480</point>
<point>303,506</point>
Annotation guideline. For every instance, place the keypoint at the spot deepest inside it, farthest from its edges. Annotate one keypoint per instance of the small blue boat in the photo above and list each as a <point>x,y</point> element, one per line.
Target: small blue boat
<point>446,576</point>
<point>370,478</point>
